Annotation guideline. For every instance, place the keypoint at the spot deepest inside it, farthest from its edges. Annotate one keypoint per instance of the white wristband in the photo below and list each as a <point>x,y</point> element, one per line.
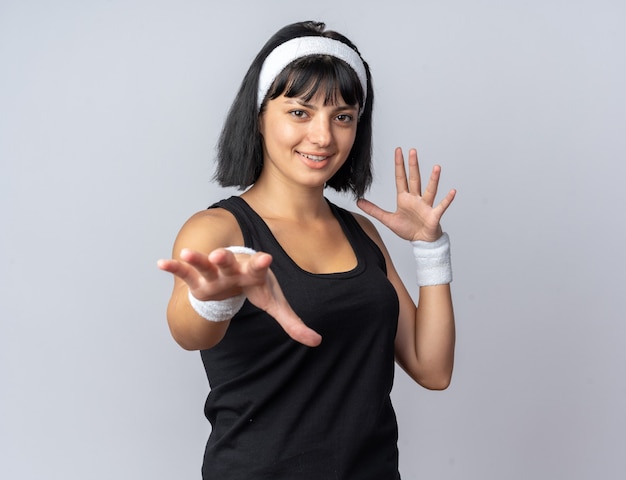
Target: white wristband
<point>433,261</point>
<point>221,310</point>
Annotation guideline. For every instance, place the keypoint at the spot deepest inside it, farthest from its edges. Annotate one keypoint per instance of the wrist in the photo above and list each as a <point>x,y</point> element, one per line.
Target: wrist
<point>217,310</point>
<point>433,266</point>
<point>221,310</point>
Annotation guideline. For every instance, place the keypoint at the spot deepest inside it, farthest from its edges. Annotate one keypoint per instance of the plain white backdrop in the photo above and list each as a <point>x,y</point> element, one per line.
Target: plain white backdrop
<point>109,115</point>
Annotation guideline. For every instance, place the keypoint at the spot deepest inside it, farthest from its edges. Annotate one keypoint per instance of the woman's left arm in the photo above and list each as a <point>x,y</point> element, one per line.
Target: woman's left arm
<point>426,334</point>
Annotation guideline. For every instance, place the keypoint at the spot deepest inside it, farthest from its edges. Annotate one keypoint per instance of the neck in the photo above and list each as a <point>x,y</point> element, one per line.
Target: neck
<point>286,202</point>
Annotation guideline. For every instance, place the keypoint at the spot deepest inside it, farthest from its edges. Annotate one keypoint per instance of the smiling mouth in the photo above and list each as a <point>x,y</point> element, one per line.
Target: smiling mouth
<point>314,158</point>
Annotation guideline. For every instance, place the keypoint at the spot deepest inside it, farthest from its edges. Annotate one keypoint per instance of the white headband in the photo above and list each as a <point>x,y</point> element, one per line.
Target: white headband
<point>300,47</point>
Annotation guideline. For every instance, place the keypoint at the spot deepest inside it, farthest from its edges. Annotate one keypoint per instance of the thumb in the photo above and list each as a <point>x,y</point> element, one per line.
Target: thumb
<point>291,323</point>
<point>296,328</point>
<point>372,209</point>
<point>269,297</point>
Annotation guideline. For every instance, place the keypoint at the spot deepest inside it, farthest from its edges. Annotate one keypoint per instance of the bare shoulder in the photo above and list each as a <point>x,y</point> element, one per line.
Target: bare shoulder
<point>207,230</point>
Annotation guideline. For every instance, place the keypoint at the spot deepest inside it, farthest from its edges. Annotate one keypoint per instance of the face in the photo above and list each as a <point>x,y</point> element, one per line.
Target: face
<point>306,141</point>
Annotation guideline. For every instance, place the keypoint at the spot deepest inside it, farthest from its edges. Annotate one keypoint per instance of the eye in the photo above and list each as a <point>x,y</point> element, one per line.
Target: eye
<point>344,118</point>
<point>298,113</point>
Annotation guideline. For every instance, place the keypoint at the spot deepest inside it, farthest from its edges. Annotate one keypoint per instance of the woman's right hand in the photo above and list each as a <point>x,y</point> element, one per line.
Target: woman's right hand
<point>222,274</point>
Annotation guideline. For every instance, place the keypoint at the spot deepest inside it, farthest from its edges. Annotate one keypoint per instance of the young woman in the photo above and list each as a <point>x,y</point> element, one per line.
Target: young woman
<point>294,302</point>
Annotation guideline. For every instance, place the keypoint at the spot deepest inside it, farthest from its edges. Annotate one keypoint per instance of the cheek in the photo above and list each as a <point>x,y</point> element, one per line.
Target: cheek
<point>273,143</point>
<point>347,138</point>
<point>283,136</point>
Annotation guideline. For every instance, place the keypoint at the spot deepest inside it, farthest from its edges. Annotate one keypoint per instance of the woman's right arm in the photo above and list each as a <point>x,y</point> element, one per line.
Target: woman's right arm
<point>203,267</point>
<point>203,233</point>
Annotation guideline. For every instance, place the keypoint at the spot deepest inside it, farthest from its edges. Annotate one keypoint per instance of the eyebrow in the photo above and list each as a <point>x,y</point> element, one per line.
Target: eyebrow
<point>299,101</point>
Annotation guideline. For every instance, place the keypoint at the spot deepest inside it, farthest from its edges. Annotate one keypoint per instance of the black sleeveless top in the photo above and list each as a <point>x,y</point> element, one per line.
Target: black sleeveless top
<point>282,411</point>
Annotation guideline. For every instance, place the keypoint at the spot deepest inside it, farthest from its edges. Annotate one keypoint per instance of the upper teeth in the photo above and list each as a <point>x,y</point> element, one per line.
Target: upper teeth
<point>315,158</point>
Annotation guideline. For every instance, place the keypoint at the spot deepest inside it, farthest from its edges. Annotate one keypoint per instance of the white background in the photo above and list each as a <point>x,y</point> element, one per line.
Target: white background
<point>109,115</point>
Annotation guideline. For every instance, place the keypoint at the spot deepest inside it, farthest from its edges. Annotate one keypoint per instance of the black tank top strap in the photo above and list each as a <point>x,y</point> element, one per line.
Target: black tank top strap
<point>250,223</point>
<point>356,234</point>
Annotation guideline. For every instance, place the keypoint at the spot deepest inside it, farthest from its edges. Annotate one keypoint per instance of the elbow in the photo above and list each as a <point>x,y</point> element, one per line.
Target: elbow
<point>183,340</point>
<point>432,377</point>
<point>436,381</point>
<point>201,336</point>
<point>190,342</point>
<point>437,384</point>
<point>185,344</point>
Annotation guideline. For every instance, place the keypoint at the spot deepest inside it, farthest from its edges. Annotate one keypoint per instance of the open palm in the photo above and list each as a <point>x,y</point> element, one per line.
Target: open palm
<point>416,216</point>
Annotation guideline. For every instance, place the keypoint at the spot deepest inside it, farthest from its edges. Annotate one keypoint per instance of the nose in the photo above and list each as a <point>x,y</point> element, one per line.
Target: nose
<point>320,131</point>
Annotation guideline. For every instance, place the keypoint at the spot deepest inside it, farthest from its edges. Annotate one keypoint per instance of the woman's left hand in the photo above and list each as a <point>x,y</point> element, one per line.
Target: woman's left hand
<point>416,216</point>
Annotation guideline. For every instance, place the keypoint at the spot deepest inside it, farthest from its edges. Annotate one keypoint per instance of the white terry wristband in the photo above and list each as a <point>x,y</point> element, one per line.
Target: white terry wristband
<point>221,310</point>
<point>433,261</point>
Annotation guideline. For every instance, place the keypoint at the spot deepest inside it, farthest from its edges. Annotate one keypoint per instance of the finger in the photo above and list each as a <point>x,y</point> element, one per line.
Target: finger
<point>199,261</point>
<point>433,184</point>
<point>415,179</point>
<point>400,172</point>
<point>267,295</point>
<point>445,203</point>
<point>225,262</point>
<point>298,331</point>
<point>257,268</point>
<point>291,323</point>
<point>182,270</point>
<point>167,265</point>
<point>373,210</point>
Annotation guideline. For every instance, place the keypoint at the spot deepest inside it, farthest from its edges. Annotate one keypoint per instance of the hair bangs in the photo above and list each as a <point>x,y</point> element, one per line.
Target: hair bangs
<point>308,76</point>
